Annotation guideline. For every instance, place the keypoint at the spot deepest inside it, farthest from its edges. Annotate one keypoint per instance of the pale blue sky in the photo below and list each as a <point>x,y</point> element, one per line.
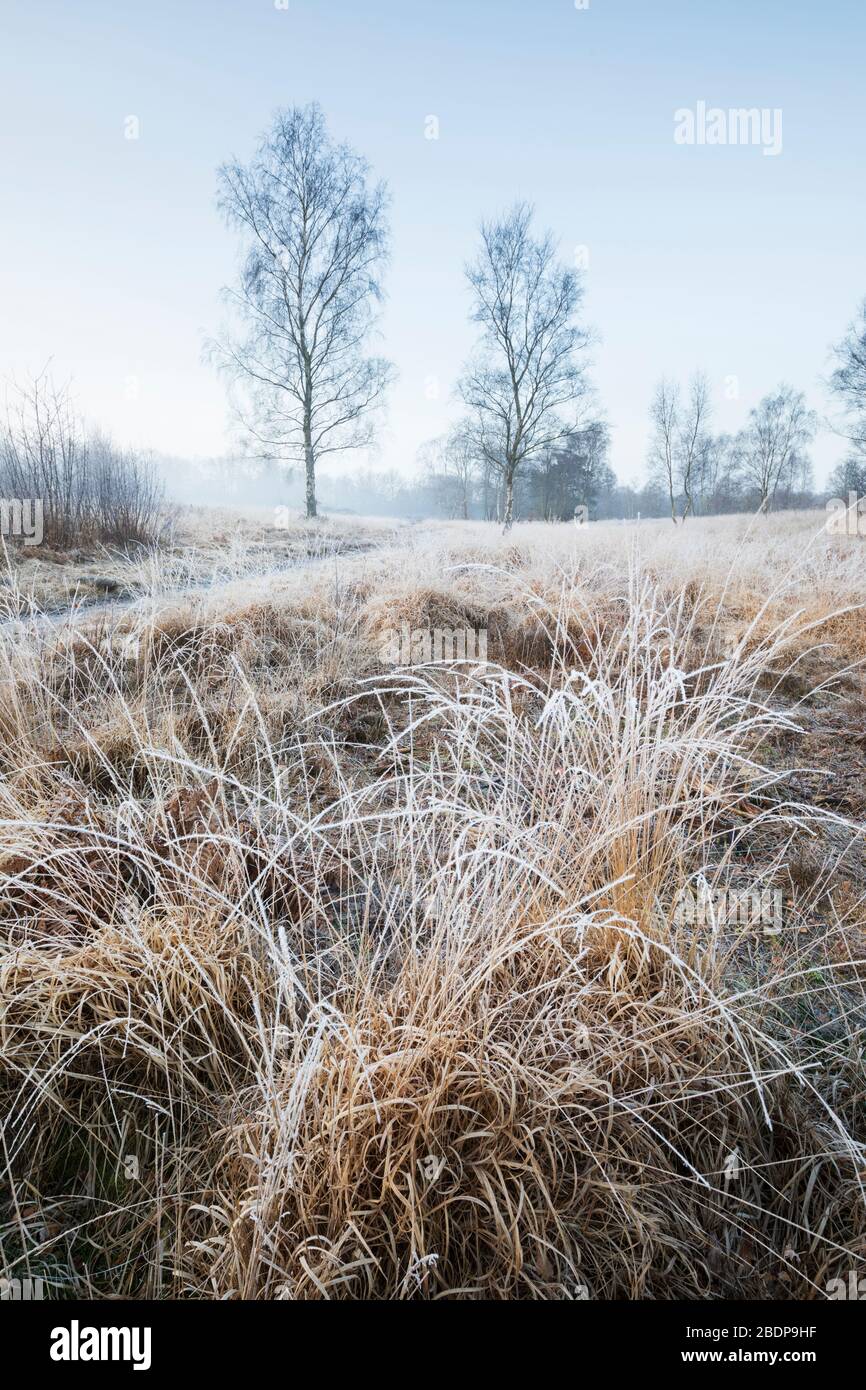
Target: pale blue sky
<point>113,253</point>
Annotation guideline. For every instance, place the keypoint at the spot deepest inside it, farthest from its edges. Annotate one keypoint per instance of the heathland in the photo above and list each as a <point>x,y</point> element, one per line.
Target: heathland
<point>324,977</point>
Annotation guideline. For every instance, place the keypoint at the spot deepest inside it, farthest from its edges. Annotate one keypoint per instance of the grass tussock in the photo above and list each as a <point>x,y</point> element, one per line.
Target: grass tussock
<point>322,980</point>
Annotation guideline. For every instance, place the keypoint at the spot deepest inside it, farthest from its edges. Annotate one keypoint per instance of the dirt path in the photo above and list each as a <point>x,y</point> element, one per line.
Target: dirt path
<point>95,610</point>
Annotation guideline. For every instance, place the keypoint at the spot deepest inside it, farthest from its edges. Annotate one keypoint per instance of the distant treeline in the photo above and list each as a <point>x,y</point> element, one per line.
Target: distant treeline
<point>550,490</point>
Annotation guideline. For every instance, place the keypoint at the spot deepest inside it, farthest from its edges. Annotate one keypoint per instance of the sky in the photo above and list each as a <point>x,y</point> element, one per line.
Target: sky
<point>714,256</point>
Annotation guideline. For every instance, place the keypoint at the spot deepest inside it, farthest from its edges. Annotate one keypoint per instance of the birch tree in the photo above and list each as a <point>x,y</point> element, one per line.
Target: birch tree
<point>315,245</point>
<point>780,429</point>
<point>526,369</point>
<point>664,413</point>
<point>680,439</point>
<point>848,381</point>
<point>693,437</point>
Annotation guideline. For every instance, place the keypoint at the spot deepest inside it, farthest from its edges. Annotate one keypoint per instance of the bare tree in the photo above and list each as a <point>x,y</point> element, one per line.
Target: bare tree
<point>780,429</point>
<point>316,244</point>
<point>848,381</point>
<point>664,413</point>
<point>848,476</point>
<point>451,465</point>
<point>461,454</point>
<point>679,441</point>
<point>692,437</point>
<point>525,370</point>
<point>718,471</point>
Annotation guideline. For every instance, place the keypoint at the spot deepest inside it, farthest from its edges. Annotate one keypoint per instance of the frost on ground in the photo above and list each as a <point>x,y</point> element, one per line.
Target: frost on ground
<point>325,977</point>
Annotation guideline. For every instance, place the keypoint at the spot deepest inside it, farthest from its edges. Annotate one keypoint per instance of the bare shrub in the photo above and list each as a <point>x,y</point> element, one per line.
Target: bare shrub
<point>90,489</point>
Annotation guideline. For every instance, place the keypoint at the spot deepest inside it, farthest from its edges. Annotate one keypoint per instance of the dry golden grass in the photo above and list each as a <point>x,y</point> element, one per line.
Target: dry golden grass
<point>326,980</point>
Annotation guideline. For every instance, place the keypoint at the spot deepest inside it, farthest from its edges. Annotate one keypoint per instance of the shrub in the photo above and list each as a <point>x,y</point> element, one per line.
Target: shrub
<point>89,489</point>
